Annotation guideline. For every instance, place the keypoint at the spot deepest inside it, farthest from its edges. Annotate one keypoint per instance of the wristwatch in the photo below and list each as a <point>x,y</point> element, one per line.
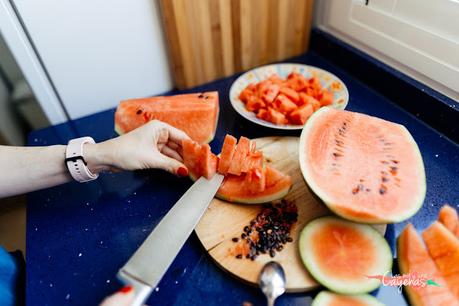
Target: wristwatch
<point>74,158</point>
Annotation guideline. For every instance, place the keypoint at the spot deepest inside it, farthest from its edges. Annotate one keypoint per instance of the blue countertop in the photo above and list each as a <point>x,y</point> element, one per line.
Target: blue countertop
<point>79,235</point>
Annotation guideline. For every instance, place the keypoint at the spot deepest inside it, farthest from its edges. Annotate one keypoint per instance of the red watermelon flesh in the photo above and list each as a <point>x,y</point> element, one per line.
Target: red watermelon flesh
<point>226,156</point>
<point>196,114</point>
<point>242,149</point>
<point>448,217</point>
<point>190,156</point>
<point>364,168</point>
<point>207,161</point>
<point>253,160</point>
<point>256,179</point>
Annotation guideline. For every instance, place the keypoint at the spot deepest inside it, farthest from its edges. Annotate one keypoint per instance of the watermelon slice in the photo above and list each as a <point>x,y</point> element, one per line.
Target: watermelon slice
<point>327,298</point>
<point>256,179</point>
<point>242,149</point>
<point>258,184</point>
<point>414,258</point>
<point>196,114</point>
<point>443,247</point>
<point>340,254</point>
<point>253,160</point>
<point>207,161</point>
<point>191,158</point>
<point>364,168</point>
<point>448,217</point>
<point>226,156</point>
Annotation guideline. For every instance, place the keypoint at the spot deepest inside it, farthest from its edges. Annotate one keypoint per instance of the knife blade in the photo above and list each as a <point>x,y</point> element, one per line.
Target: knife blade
<point>150,262</point>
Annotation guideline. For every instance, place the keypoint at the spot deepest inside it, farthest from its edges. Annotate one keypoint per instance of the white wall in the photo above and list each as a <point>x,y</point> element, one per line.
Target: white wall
<point>417,37</point>
<point>98,52</point>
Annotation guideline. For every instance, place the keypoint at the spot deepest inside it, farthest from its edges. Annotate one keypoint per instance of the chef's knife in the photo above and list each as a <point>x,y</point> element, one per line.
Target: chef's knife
<point>146,267</point>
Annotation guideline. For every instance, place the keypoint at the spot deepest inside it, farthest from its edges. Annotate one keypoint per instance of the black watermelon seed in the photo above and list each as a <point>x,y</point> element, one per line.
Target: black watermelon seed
<point>139,112</point>
<point>239,256</point>
<point>235,239</point>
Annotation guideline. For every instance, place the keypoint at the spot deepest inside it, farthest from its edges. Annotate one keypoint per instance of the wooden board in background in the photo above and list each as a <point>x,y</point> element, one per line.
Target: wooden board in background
<point>223,221</point>
<point>210,39</point>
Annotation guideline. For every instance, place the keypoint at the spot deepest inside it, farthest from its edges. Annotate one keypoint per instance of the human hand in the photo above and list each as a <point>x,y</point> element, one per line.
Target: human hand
<point>155,145</point>
<point>124,297</point>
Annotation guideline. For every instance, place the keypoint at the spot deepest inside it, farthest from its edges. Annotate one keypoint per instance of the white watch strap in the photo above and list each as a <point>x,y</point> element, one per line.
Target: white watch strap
<point>74,158</point>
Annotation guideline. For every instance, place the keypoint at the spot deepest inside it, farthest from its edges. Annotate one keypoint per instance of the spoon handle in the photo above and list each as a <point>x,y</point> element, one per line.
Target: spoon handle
<point>271,301</point>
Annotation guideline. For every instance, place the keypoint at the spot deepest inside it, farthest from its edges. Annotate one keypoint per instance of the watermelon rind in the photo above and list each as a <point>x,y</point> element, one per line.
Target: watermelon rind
<point>340,208</point>
<point>326,298</point>
<point>118,129</point>
<point>381,266</point>
<point>256,200</point>
<point>252,200</point>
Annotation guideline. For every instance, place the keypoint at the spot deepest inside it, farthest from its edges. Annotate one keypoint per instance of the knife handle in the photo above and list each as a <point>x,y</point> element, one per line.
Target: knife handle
<point>141,290</point>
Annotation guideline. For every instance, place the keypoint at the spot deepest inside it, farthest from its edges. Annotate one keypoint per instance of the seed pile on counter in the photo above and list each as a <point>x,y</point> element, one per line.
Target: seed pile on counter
<point>268,232</point>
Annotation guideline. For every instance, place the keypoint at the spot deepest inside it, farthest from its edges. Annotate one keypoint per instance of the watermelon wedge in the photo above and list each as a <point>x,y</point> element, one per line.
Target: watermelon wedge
<point>363,168</point>
<point>207,161</point>
<point>448,217</point>
<point>340,254</point>
<point>413,257</point>
<point>258,183</point>
<point>196,114</point>
<point>226,155</point>
<point>240,154</point>
<point>327,298</point>
<point>443,247</point>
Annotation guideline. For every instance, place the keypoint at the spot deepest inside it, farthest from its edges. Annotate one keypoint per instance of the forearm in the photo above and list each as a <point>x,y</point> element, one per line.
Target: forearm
<point>25,169</point>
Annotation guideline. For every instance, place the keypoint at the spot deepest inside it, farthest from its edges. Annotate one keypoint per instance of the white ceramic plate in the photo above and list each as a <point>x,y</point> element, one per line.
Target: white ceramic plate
<point>328,80</point>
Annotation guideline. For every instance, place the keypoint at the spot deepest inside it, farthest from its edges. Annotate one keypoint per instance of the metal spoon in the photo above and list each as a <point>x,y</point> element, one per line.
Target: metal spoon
<point>272,281</point>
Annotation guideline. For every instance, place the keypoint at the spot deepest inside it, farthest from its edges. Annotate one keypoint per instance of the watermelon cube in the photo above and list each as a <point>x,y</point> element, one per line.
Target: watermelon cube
<point>275,116</point>
<point>290,93</point>
<point>271,93</point>
<point>254,103</point>
<point>301,114</point>
<point>284,104</point>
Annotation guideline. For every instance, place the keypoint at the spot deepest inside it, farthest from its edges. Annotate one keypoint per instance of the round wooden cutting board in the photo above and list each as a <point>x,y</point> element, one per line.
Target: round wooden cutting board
<point>223,221</point>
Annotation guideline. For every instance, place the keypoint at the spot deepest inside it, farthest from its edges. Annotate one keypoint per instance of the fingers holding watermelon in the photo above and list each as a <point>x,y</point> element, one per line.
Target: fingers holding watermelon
<point>155,145</point>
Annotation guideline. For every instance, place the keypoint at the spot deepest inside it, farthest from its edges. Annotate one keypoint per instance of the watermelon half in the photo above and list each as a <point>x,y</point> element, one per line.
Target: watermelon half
<point>363,168</point>
<point>327,298</point>
<point>196,114</point>
<point>341,254</point>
